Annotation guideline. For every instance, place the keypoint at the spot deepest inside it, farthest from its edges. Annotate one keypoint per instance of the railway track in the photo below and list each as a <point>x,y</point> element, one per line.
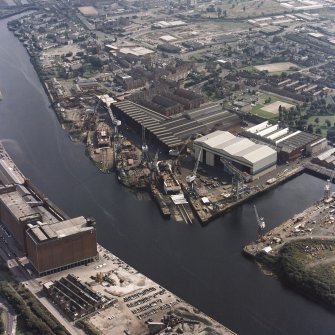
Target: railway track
<point>184,213</point>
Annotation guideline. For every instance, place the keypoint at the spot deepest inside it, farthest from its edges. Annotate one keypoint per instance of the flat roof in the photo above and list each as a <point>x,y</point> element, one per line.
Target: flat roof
<point>17,205</point>
<point>43,232</point>
<point>137,51</point>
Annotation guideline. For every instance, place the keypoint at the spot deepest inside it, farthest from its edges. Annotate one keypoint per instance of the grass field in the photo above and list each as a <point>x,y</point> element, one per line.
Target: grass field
<point>257,109</point>
<point>322,125</point>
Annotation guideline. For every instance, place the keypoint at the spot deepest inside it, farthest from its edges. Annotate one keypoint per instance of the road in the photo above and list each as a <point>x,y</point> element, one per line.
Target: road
<point>10,318</point>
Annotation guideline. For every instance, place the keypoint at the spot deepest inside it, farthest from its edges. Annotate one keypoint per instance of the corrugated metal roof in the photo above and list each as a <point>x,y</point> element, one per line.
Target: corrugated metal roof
<point>229,145</point>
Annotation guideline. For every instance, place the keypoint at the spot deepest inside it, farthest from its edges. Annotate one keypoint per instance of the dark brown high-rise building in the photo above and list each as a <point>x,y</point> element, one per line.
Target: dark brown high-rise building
<point>58,246</point>
<point>50,239</point>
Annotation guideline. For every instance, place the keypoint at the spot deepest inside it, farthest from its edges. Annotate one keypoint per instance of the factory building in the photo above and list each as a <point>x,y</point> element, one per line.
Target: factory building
<point>50,239</point>
<point>255,159</point>
<point>59,246</point>
<point>16,212</point>
<point>326,159</point>
<point>290,144</point>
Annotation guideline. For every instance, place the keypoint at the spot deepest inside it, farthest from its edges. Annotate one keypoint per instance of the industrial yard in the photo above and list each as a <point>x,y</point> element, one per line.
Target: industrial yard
<point>135,304</point>
<point>59,258</point>
<point>204,105</point>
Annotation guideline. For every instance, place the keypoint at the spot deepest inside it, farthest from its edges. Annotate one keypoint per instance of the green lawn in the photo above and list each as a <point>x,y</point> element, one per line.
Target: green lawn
<point>262,97</point>
<point>322,125</point>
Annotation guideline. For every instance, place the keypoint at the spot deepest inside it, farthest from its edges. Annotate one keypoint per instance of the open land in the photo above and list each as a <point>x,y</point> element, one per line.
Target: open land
<point>276,67</point>
<point>136,298</point>
<point>274,107</point>
<point>88,10</point>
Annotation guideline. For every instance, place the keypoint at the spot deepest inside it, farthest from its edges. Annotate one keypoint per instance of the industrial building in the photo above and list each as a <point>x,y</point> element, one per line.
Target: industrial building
<point>50,239</point>
<point>16,212</point>
<point>326,159</point>
<point>247,156</point>
<point>75,298</point>
<point>59,246</point>
<point>138,116</point>
<point>290,144</point>
<point>170,132</point>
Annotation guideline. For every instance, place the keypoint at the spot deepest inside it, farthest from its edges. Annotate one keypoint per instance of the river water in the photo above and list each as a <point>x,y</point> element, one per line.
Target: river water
<point>203,265</point>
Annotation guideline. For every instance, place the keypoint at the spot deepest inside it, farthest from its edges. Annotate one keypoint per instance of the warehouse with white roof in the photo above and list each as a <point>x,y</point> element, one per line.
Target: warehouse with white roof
<point>246,155</point>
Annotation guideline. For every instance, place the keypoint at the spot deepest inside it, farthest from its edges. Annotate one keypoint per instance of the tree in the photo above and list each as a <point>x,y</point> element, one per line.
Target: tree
<point>328,123</point>
<point>316,120</point>
<point>310,128</point>
<point>318,131</point>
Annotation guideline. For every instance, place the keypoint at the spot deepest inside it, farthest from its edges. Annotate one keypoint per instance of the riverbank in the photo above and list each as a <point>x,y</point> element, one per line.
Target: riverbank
<point>301,252</point>
<point>112,278</point>
<point>202,265</point>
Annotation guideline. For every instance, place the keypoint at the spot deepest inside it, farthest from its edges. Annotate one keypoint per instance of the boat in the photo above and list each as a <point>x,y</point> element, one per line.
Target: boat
<point>159,199</point>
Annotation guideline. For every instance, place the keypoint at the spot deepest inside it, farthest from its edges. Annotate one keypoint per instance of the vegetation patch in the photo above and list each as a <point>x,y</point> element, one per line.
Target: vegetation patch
<point>307,266</point>
<point>32,316</point>
<point>88,327</point>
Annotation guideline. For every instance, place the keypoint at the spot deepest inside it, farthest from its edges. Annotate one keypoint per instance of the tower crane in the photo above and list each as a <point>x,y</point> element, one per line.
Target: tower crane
<point>327,188</point>
<point>191,178</point>
<point>116,124</point>
<point>260,221</point>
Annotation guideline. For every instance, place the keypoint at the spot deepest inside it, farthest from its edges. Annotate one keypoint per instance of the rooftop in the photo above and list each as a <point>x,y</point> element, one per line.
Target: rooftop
<point>17,205</point>
<point>43,232</point>
<point>230,145</point>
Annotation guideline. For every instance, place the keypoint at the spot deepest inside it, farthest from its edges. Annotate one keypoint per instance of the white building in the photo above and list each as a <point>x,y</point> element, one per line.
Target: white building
<point>246,155</point>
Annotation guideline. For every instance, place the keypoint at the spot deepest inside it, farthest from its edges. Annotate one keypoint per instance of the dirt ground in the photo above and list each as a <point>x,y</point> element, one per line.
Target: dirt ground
<point>137,299</point>
<point>276,67</point>
<point>88,10</point>
<point>273,108</point>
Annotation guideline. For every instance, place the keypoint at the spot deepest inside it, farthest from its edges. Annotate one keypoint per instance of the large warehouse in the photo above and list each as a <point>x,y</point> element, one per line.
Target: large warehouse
<point>246,155</point>
<point>62,245</point>
<point>48,237</point>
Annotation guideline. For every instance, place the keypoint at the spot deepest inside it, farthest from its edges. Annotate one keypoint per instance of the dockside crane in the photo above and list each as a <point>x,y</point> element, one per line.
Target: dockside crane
<point>176,153</point>
<point>238,178</point>
<point>260,221</point>
<point>327,188</point>
<point>145,153</point>
<point>191,178</point>
<point>153,165</point>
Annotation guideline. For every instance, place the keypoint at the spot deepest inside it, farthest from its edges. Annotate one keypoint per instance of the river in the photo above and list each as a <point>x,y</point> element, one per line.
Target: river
<point>203,265</point>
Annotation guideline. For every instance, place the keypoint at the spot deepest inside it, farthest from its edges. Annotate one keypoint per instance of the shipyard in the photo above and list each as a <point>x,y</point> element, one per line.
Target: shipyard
<point>58,257</point>
<point>217,152</point>
<point>202,107</point>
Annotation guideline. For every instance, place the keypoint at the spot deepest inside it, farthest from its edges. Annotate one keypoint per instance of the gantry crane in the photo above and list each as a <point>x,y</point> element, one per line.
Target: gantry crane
<point>191,178</point>
<point>238,179</point>
<point>260,222</point>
